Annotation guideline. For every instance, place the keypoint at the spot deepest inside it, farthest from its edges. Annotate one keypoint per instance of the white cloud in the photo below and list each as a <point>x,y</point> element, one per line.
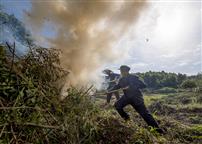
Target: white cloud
<point>166,37</point>
<point>183,64</point>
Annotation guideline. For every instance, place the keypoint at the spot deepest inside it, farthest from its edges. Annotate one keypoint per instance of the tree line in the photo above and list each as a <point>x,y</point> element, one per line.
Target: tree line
<point>158,80</point>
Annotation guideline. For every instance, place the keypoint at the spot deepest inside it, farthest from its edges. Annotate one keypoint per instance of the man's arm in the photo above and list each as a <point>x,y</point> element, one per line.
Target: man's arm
<point>112,81</point>
<point>114,88</point>
<point>118,87</point>
<point>115,79</point>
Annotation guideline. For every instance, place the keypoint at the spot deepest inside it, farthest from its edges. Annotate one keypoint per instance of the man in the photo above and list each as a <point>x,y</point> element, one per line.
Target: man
<point>131,86</point>
<point>112,80</point>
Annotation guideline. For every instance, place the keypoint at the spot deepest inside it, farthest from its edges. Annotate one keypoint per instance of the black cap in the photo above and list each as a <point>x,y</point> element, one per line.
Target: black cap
<point>124,67</point>
<point>106,71</point>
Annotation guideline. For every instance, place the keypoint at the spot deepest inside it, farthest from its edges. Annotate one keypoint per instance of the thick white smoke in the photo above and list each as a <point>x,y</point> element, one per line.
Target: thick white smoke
<point>86,31</point>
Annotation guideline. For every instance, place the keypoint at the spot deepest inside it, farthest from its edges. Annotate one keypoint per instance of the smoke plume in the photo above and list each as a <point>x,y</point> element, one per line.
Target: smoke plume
<point>86,30</point>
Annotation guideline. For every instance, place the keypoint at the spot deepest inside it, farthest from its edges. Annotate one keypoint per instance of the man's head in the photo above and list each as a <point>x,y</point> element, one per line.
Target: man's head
<point>124,69</point>
<point>107,71</point>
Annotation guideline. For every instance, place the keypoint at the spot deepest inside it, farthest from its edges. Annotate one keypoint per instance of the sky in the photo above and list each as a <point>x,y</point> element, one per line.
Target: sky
<point>167,36</point>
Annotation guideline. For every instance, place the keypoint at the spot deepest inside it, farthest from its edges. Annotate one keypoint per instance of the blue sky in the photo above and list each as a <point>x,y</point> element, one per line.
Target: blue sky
<point>18,7</point>
<point>166,37</point>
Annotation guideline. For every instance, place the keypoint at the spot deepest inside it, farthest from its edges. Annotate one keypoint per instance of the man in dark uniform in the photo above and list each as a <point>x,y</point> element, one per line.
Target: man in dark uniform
<point>112,81</point>
<point>131,86</point>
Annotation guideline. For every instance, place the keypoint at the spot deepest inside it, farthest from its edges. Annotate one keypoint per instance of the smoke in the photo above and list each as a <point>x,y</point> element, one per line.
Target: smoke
<point>86,31</point>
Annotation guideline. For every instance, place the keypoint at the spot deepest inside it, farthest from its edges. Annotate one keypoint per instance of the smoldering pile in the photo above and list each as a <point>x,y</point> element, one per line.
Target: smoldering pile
<point>30,108</point>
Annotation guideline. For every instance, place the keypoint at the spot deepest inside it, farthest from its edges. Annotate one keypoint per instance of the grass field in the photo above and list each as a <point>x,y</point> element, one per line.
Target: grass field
<point>179,114</point>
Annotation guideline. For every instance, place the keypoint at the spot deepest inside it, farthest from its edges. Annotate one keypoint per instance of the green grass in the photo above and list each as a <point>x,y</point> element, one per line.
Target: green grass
<point>182,125</point>
<point>150,98</point>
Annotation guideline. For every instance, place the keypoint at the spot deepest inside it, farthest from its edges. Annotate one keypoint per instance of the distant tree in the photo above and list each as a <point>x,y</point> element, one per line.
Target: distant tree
<point>199,80</point>
<point>189,84</point>
<point>181,78</point>
<point>158,80</point>
<point>16,27</point>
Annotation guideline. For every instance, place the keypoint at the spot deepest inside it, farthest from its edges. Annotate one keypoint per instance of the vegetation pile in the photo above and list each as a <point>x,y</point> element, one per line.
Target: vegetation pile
<point>30,108</point>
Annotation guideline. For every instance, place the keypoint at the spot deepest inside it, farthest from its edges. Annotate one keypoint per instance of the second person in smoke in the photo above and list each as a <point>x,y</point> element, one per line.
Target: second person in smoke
<point>112,79</point>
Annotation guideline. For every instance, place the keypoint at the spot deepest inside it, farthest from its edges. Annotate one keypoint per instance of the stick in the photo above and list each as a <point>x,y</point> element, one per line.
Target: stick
<point>2,130</point>
<point>37,125</point>
<point>11,50</point>
<point>115,90</point>
<point>86,92</point>
<point>110,91</point>
<point>12,62</point>
<point>14,135</point>
<point>14,108</point>
<point>43,126</point>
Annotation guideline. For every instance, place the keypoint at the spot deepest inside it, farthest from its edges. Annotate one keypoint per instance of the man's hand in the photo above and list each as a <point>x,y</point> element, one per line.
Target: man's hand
<point>125,88</point>
<point>107,92</point>
<point>112,81</point>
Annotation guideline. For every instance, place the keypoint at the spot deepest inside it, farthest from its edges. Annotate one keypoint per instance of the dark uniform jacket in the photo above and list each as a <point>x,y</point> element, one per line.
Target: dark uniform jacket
<point>134,87</point>
<point>112,77</point>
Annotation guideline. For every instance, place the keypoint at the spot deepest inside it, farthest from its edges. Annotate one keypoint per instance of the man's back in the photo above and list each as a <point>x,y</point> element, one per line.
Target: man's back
<point>134,87</point>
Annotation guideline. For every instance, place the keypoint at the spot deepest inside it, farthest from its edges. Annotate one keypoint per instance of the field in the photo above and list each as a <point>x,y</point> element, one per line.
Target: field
<point>179,114</point>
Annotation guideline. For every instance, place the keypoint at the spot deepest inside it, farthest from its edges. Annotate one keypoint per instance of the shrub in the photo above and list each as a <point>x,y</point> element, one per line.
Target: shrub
<point>166,90</point>
<point>189,84</point>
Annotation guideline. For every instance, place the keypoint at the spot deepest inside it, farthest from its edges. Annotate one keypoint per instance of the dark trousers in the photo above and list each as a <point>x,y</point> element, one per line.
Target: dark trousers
<point>140,108</point>
<point>109,96</point>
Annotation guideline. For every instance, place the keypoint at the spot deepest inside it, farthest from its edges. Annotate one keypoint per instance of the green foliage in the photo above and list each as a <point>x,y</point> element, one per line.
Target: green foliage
<point>180,115</point>
<point>189,84</point>
<point>157,80</point>
<point>30,108</point>
<point>166,90</point>
<point>16,27</point>
<point>198,79</point>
